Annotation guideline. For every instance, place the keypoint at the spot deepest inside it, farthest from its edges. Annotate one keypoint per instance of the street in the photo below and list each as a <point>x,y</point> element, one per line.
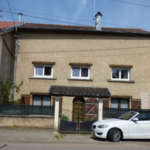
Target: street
<point>28,138</point>
<point>71,146</point>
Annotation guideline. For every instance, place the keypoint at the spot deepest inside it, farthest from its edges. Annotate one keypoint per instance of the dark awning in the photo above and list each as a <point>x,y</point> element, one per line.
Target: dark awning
<point>75,91</point>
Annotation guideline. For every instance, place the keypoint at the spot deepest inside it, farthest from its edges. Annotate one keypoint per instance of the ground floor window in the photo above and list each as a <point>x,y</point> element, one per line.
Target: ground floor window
<point>41,100</point>
<point>119,103</point>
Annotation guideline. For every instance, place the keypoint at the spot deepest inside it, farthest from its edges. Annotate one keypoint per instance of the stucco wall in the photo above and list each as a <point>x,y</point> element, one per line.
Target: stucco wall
<point>100,50</point>
<point>7,60</point>
<point>27,122</point>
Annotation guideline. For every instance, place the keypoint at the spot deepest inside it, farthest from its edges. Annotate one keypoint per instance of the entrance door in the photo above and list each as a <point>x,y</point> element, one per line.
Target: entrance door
<point>78,109</point>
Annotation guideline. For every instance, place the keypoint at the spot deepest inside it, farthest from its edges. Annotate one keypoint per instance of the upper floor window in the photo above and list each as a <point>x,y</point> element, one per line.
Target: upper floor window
<point>80,72</point>
<point>120,74</point>
<point>45,71</point>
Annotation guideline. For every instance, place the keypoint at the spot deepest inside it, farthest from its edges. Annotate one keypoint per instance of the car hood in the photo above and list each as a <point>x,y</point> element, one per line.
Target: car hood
<point>109,121</point>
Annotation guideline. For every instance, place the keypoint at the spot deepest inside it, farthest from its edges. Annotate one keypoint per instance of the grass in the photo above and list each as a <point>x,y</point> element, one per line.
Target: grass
<point>58,136</point>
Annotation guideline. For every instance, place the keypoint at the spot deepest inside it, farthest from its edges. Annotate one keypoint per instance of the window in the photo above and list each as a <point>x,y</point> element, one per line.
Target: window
<point>45,71</point>
<point>119,103</point>
<point>42,100</point>
<point>80,72</point>
<point>143,116</point>
<point>120,74</point>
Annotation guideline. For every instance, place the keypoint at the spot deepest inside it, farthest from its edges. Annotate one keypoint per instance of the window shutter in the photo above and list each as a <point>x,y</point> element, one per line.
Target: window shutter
<point>53,102</point>
<point>25,99</point>
<point>60,107</point>
<point>106,103</point>
<point>136,104</point>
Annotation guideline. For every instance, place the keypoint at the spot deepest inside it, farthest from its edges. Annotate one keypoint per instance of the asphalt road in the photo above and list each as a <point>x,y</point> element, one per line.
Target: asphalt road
<point>71,146</point>
<point>44,139</point>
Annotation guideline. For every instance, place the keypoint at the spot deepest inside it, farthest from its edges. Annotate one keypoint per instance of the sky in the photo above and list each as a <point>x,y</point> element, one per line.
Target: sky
<point>116,13</point>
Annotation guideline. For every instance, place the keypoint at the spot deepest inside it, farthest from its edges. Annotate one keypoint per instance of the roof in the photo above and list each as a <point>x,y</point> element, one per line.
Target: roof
<point>6,24</point>
<point>54,26</point>
<point>76,91</point>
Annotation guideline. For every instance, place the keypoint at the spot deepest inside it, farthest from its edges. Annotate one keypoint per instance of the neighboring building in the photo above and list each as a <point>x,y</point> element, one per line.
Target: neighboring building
<point>116,58</point>
<point>7,50</point>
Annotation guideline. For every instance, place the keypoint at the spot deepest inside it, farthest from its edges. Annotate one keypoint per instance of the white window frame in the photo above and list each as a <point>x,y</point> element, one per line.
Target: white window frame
<point>120,74</point>
<point>80,67</point>
<point>36,76</point>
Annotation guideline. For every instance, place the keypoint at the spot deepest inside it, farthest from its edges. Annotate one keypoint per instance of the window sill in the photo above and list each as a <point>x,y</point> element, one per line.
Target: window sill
<point>80,79</point>
<point>120,81</point>
<point>42,78</point>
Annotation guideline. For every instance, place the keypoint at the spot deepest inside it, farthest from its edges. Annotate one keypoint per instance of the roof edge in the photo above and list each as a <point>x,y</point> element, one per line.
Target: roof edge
<point>81,30</point>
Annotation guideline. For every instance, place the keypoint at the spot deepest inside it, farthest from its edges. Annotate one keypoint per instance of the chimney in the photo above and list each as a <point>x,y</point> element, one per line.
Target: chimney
<point>98,18</point>
<point>20,17</point>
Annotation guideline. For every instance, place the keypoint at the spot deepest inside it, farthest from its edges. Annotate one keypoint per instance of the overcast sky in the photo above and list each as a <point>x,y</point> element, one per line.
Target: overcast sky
<point>115,13</point>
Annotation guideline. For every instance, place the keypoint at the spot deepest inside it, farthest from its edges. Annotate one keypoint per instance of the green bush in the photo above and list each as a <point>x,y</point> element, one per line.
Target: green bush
<point>88,119</point>
<point>6,90</point>
<point>64,117</point>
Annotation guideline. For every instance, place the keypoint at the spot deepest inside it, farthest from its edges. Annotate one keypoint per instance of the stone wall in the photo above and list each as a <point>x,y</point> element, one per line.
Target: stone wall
<point>27,121</point>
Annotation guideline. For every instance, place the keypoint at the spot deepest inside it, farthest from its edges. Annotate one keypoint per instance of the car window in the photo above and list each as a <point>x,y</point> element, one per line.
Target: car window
<point>143,116</point>
<point>127,115</point>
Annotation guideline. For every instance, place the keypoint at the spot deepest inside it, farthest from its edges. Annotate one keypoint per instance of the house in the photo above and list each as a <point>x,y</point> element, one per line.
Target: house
<point>7,50</point>
<point>81,59</point>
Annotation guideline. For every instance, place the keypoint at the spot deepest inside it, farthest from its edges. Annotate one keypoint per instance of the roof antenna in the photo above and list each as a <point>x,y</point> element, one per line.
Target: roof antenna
<point>94,10</point>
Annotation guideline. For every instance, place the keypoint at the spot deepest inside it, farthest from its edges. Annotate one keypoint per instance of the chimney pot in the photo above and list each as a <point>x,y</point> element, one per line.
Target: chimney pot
<point>98,18</point>
<point>20,17</point>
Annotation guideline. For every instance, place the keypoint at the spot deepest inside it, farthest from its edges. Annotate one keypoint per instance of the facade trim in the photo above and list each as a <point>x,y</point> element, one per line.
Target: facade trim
<point>80,64</point>
<point>121,81</point>
<point>43,63</point>
<point>120,66</point>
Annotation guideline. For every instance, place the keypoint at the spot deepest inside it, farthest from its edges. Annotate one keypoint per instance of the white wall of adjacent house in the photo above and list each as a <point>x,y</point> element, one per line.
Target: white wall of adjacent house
<point>100,109</point>
<point>56,120</point>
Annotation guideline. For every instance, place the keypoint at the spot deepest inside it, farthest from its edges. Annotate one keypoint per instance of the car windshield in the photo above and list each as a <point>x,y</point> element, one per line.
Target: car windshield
<point>127,115</point>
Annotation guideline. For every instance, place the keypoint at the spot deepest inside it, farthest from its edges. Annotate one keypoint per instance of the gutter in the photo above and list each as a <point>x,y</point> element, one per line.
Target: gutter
<point>84,31</point>
<point>0,55</point>
<point>6,30</point>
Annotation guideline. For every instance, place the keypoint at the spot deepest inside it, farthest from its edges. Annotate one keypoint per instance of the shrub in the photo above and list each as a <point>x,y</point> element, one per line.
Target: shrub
<point>6,90</point>
<point>64,117</point>
<point>88,119</point>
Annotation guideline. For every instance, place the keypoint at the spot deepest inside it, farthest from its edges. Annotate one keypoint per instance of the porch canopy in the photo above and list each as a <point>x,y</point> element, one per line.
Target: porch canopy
<point>76,91</point>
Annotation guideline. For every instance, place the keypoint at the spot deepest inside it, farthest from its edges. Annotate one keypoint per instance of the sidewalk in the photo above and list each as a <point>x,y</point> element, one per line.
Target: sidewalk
<point>33,135</point>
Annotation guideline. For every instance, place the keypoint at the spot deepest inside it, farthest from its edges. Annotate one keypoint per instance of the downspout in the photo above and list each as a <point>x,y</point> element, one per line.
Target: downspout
<point>1,44</point>
<point>15,64</point>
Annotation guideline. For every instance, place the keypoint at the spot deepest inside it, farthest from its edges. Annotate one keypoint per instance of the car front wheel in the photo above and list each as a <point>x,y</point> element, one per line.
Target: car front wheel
<point>114,135</point>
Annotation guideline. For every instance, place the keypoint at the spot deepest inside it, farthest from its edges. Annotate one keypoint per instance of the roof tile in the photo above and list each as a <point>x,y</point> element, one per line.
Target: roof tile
<point>6,24</point>
<point>54,26</point>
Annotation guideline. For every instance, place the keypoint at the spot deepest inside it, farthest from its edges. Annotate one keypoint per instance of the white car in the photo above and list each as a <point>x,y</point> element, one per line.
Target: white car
<point>131,125</point>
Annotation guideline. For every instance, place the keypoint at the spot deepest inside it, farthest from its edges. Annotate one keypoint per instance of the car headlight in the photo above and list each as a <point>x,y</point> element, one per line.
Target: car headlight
<point>102,126</point>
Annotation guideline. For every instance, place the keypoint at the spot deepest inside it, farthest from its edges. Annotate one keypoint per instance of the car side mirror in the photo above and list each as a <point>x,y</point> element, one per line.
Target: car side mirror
<point>135,119</point>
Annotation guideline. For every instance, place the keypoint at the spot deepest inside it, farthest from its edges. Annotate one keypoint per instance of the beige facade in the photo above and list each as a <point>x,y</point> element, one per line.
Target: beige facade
<point>101,50</point>
<point>7,56</point>
<point>7,52</point>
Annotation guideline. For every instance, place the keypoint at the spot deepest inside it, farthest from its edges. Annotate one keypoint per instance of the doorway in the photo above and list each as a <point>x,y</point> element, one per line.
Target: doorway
<point>78,109</point>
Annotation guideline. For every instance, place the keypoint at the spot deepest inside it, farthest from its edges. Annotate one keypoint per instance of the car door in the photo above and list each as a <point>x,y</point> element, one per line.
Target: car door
<point>140,129</point>
<point>144,123</point>
<point>135,131</point>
